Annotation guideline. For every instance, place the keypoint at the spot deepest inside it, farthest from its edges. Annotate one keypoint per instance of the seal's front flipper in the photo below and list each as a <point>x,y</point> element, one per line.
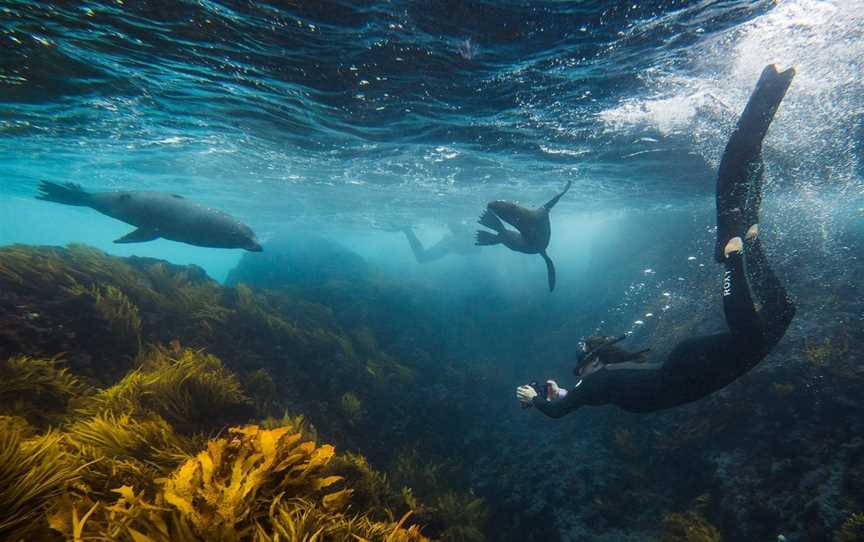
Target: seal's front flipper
<point>140,235</point>
<point>739,180</point>
<point>550,270</point>
<point>483,237</point>
<point>551,203</point>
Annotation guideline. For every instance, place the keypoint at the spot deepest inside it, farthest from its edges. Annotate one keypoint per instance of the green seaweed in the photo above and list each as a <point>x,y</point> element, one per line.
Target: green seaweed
<point>36,388</point>
<point>32,473</point>
<point>190,389</point>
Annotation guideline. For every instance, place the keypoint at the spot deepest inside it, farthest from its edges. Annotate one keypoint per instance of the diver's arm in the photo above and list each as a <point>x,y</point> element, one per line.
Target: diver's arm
<point>557,408</point>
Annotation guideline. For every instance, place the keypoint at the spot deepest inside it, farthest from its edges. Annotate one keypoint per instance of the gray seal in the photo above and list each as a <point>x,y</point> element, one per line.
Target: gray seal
<point>532,225</point>
<point>158,214</point>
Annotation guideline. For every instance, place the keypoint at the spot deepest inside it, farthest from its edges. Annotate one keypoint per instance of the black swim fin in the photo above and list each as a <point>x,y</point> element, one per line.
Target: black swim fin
<point>66,193</point>
<point>550,270</point>
<point>140,235</point>
<point>739,179</point>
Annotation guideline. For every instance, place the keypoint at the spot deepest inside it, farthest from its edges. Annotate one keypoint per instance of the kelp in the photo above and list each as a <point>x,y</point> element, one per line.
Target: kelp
<point>254,484</point>
<point>302,521</point>
<point>690,525</point>
<point>452,516</point>
<point>852,529</point>
<point>38,389</point>
<point>32,472</point>
<point>124,450</point>
<point>117,309</point>
<point>190,389</point>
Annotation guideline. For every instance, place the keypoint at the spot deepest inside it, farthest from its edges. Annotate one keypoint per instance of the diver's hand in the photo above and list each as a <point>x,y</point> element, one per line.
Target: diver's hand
<point>526,394</point>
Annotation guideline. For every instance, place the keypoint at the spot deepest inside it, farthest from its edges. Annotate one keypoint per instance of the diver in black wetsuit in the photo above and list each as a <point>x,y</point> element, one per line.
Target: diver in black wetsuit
<point>755,304</point>
<point>458,241</point>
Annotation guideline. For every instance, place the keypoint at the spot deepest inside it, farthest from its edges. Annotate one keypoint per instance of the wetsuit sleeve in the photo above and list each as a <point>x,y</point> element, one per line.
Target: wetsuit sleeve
<point>557,408</point>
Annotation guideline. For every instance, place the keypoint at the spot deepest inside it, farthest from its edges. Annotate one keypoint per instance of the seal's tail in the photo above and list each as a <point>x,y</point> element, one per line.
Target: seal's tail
<point>67,193</point>
<point>551,203</point>
<point>550,270</point>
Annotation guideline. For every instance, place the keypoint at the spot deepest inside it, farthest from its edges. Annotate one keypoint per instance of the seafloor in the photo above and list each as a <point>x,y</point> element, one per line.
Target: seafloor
<point>143,401</point>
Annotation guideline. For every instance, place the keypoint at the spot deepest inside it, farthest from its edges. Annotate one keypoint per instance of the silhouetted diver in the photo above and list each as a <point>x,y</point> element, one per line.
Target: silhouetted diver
<point>457,241</point>
<point>700,366</point>
<point>533,228</point>
<point>157,214</point>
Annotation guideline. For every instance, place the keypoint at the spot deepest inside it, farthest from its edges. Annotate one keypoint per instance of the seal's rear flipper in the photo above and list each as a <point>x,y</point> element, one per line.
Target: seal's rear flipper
<point>67,193</point>
<point>550,270</point>
<point>491,221</point>
<point>482,238</point>
<point>551,203</point>
<point>139,236</point>
<point>739,180</point>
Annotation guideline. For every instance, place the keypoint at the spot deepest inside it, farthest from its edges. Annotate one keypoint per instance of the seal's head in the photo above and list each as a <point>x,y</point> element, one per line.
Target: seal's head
<point>242,236</point>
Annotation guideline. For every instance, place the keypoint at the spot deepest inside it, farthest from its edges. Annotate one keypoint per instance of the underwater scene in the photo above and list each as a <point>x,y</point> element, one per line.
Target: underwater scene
<point>415,270</point>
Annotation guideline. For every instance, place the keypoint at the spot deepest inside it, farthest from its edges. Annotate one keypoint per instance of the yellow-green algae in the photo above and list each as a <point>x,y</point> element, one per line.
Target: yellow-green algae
<point>117,470</point>
<point>118,446</point>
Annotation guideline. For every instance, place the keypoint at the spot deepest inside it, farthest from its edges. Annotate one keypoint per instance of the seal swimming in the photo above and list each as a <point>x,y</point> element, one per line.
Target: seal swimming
<point>158,214</point>
<point>534,230</point>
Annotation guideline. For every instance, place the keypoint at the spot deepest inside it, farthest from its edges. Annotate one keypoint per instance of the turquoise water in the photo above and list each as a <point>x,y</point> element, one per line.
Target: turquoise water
<point>348,120</point>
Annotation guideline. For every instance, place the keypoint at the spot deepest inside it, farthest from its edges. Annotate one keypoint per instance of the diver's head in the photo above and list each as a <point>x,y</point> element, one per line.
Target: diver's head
<point>592,348</point>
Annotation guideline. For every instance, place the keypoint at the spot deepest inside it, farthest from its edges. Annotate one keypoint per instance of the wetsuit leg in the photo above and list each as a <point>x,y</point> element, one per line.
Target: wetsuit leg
<point>775,308</point>
<point>739,182</point>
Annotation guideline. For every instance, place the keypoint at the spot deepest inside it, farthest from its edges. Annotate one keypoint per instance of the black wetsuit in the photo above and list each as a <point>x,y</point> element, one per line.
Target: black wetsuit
<point>702,365</point>
<point>458,241</point>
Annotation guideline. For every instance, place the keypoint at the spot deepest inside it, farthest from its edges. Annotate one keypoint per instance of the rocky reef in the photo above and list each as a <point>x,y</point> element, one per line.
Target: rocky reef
<point>143,401</point>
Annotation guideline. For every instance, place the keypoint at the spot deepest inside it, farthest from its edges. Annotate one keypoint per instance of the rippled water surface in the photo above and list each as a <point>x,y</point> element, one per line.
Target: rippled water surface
<point>354,113</point>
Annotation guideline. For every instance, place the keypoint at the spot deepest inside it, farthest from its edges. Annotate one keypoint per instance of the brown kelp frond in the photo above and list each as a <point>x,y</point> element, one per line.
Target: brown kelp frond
<point>351,408</point>
<point>31,473</point>
<point>219,489</point>
<point>464,514</point>
<point>372,491</point>
<point>116,308</point>
<point>129,518</point>
<point>295,424</point>
<point>122,450</point>
<point>253,484</point>
<point>38,389</point>
<point>852,529</point>
<point>301,520</point>
<point>191,390</point>
<point>451,515</point>
<point>690,526</point>
<point>47,269</point>
<point>188,296</point>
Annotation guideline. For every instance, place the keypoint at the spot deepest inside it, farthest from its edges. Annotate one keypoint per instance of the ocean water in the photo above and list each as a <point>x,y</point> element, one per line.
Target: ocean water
<point>328,126</point>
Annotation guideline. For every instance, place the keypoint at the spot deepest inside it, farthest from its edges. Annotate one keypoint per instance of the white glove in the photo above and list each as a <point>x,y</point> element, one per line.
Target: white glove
<point>525,393</point>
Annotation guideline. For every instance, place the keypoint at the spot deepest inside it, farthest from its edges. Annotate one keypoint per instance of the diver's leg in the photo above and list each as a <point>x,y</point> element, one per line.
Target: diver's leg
<point>741,315</point>
<point>739,181</point>
<point>416,246</point>
<point>775,307</point>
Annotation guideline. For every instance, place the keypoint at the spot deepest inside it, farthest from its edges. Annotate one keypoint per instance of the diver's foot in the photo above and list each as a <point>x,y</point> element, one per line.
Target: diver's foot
<point>734,245</point>
<point>752,232</point>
